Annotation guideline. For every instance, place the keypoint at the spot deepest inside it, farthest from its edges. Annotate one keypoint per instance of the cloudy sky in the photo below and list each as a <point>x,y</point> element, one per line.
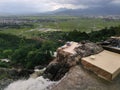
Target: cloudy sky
<point>30,6</point>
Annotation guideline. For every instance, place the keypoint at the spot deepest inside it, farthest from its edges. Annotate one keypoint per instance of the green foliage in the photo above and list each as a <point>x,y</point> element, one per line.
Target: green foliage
<point>7,53</point>
<point>16,25</point>
<point>37,58</point>
<point>32,52</point>
<point>48,46</point>
<point>94,36</point>
<point>77,36</point>
<point>4,64</point>
<point>32,55</point>
<point>62,23</point>
<point>8,41</point>
<point>4,75</point>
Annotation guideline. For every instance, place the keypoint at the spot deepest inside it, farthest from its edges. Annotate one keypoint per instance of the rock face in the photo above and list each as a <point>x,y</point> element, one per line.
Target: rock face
<point>79,79</point>
<point>65,60</point>
<point>113,42</point>
<point>88,48</point>
<point>55,70</point>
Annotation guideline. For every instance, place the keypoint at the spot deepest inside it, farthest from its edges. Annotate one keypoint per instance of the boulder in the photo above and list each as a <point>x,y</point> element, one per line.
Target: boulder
<point>113,42</point>
<point>55,71</point>
<point>88,48</point>
<point>64,60</point>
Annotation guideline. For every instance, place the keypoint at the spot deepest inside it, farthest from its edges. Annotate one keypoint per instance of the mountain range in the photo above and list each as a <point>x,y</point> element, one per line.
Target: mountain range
<point>106,10</point>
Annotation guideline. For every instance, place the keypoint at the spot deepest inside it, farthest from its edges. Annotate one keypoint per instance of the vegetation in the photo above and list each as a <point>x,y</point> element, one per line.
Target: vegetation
<point>4,64</point>
<point>94,36</point>
<point>16,25</point>
<point>59,23</point>
<point>28,47</point>
<point>26,52</point>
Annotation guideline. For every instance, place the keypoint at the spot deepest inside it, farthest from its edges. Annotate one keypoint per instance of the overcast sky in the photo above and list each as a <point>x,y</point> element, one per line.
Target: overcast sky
<point>22,6</point>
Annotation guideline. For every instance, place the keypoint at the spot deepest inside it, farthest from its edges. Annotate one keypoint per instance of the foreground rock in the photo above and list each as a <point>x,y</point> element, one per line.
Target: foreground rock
<point>88,48</point>
<point>79,78</point>
<point>112,42</point>
<point>65,60</point>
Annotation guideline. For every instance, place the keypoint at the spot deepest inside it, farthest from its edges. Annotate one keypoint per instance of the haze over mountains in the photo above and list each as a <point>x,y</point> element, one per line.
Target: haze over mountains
<point>89,11</point>
<point>60,7</point>
<point>65,11</point>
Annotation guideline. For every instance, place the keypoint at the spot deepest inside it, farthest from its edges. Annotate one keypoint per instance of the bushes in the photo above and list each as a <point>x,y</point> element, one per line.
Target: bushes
<point>94,36</point>
<point>26,52</point>
<point>76,35</point>
<point>7,53</point>
<point>35,58</point>
<point>101,35</point>
<point>31,56</point>
<point>4,64</point>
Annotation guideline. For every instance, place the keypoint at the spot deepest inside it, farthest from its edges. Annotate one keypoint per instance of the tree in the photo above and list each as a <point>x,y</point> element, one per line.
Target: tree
<point>7,53</point>
<point>48,46</point>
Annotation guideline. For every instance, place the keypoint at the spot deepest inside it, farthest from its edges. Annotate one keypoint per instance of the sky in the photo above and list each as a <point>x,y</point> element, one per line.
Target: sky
<point>37,6</point>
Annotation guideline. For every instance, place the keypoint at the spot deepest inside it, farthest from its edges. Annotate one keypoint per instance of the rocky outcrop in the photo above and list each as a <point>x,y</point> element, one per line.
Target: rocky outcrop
<point>79,79</point>
<point>88,48</point>
<point>112,42</point>
<point>65,60</point>
<point>55,70</point>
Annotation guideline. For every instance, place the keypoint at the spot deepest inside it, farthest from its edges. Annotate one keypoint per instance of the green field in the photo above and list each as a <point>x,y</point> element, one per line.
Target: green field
<point>62,23</point>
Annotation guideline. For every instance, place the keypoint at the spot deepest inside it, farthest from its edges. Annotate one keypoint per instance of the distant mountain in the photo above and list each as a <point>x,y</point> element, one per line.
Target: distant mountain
<point>61,10</point>
<point>106,10</point>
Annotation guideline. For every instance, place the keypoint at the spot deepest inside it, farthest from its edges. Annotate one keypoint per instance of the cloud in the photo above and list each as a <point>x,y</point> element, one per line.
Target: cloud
<point>26,6</point>
<point>117,2</point>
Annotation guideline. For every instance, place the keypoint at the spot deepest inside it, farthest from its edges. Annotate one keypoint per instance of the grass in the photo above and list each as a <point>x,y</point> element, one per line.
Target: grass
<point>82,24</point>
